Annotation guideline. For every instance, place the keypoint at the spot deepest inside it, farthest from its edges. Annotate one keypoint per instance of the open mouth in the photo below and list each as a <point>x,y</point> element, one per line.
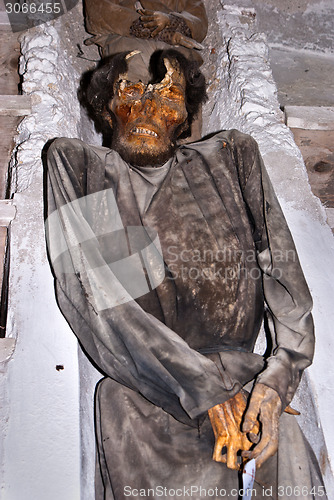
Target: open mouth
<point>144,131</point>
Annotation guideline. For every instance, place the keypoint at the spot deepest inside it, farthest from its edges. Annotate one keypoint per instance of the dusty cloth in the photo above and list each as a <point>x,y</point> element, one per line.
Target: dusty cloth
<point>111,21</point>
<point>143,448</point>
<point>147,182</point>
<point>186,345</point>
<point>104,17</point>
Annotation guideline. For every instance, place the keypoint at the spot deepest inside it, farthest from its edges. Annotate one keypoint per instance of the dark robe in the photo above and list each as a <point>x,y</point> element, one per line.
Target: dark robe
<point>110,22</point>
<point>105,17</point>
<point>185,344</point>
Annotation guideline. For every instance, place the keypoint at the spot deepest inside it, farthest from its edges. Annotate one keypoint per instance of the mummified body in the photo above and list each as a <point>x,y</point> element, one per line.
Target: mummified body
<point>178,354</point>
<point>119,25</point>
<point>148,26</point>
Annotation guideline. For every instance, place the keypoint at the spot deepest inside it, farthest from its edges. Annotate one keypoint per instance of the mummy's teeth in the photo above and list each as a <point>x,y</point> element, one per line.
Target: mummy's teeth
<point>144,131</point>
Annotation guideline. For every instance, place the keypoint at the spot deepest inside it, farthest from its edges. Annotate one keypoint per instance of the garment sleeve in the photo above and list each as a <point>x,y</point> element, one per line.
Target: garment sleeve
<point>126,343</point>
<point>287,298</point>
<point>104,17</point>
<point>195,17</point>
<point>110,16</point>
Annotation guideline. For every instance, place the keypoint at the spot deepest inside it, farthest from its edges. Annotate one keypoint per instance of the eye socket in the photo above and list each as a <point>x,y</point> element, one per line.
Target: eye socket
<point>135,91</point>
<point>132,91</point>
<point>172,93</point>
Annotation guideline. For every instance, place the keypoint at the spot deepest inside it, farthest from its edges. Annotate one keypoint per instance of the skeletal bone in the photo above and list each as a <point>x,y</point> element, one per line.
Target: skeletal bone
<point>131,54</point>
<point>173,74</point>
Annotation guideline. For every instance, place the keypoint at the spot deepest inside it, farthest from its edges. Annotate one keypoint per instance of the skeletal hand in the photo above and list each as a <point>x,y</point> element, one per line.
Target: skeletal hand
<point>226,423</point>
<point>185,41</point>
<point>264,406</point>
<point>156,21</point>
<point>238,429</point>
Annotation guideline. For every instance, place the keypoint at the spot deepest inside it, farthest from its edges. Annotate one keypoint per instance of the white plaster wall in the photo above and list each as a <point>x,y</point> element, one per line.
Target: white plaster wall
<point>41,446</point>
<point>43,439</point>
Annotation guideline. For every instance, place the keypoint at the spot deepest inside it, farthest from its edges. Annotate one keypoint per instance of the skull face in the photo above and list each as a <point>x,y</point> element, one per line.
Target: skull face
<point>147,119</point>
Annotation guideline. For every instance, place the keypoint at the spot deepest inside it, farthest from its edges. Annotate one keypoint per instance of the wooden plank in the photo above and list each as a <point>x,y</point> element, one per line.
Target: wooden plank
<point>8,126</point>
<point>9,57</point>
<point>4,21</point>
<point>317,148</point>
<point>15,105</point>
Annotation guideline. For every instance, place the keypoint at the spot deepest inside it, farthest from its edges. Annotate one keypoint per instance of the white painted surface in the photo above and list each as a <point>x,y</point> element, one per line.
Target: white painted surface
<point>7,212</point>
<point>310,117</point>
<point>7,346</point>
<point>40,412</point>
<point>41,447</point>
<point>330,217</point>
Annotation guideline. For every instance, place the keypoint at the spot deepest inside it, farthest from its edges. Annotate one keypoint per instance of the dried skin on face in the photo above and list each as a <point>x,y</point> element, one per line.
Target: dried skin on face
<point>148,118</point>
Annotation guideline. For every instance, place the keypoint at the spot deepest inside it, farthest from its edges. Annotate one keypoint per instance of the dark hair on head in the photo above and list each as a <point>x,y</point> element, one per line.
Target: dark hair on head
<point>97,86</point>
<point>96,89</point>
<point>195,81</point>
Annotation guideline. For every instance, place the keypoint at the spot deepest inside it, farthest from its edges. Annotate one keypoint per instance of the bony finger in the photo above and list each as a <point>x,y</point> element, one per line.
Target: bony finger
<point>267,442</point>
<point>196,45</point>
<point>250,454</point>
<point>251,414</point>
<point>268,452</point>
<point>246,444</point>
<point>218,421</point>
<point>156,31</point>
<point>254,438</point>
<point>149,25</point>
<point>147,18</point>
<point>232,458</point>
<point>222,459</point>
<point>217,451</point>
<point>145,21</point>
<point>187,45</point>
<point>250,421</point>
<point>261,445</point>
